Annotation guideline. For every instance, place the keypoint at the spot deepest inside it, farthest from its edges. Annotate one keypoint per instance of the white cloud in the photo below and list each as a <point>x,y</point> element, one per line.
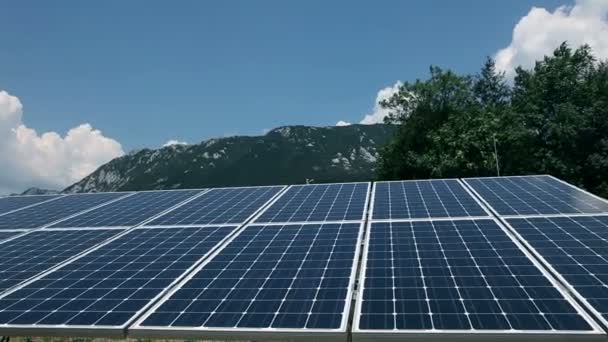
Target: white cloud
<point>47,160</point>
<point>379,113</point>
<point>539,32</point>
<point>343,123</point>
<point>174,142</point>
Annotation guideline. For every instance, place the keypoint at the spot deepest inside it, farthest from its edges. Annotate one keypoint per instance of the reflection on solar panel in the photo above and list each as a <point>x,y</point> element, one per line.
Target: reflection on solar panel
<point>577,249</point>
<point>319,203</point>
<point>424,199</point>
<point>6,234</point>
<point>219,206</point>
<point>26,256</point>
<point>535,195</point>
<point>108,286</point>
<point>278,276</point>
<point>457,276</point>
<point>46,213</point>
<point>15,202</point>
<point>129,211</point>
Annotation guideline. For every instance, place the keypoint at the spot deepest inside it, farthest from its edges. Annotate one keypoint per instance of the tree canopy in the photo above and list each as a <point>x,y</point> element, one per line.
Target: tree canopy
<point>552,119</point>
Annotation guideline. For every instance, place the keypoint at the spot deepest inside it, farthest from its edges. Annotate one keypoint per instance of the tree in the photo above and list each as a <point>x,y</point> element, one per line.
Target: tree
<point>554,120</point>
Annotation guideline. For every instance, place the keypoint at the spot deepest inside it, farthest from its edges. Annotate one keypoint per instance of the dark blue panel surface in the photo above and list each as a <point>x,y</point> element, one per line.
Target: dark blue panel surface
<point>281,276</point>
<point>424,199</point>
<point>26,256</point>
<point>46,213</point>
<point>457,275</point>
<point>577,248</point>
<point>129,211</point>
<point>15,202</point>
<point>7,234</point>
<point>535,195</point>
<point>110,285</point>
<point>319,203</point>
<point>220,206</point>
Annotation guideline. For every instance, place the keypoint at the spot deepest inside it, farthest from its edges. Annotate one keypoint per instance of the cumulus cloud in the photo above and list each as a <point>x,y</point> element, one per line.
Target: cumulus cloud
<point>379,113</point>
<point>343,123</point>
<point>174,142</point>
<point>47,160</point>
<point>539,32</point>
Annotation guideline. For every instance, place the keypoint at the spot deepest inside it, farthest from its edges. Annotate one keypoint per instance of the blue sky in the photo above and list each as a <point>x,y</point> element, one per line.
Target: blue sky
<point>144,72</point>
<point>83,82</point>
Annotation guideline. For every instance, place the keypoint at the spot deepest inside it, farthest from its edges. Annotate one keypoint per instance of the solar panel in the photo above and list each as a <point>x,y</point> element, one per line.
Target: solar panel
<point>319,203</point>
<point>220,206</point>
<point>26,256</point>
<point>49,212</point>
<point>290,277</point>
<point>457,276</point>
<point>129,211</point>
<point>6,234</point>
<point>577,249</point>
<point>16,202</point>
<point>110,285</point>
<point>424,199</point>
<point>535,195</point>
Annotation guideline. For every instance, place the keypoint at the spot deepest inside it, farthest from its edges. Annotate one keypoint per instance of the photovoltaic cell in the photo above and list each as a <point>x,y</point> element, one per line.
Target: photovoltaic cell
<point>319,203</point>
<point>6,234</point>
<point>129,211</point>
<point>15,202</point>
<point>26,256</point>
<point>424,199</point>
<point>535,195</point>
<point>276,276</point>
<point>220,206</point>
<point>576,248</point>
<point>108,286</point>
<point>47,213</point>
<point>458,275</point>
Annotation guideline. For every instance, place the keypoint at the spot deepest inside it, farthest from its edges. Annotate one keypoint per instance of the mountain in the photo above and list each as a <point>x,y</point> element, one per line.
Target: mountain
<point>285,155</point>
<point>37,191</point>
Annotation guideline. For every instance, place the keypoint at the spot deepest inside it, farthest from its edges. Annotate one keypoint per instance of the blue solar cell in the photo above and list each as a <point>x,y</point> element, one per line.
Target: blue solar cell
<point>319,203</point>
<point>535,195</point>
<point>6,234</point>
<point>577,248</point>
<point>108,286</point>
<point>458,275</point>
<point>49,212</point>
<point>220,206</point>
<point>129,211</point>
<point>26,256</point>
<point>15,202</point>
<point>424,199</point>
<point>278,276</point>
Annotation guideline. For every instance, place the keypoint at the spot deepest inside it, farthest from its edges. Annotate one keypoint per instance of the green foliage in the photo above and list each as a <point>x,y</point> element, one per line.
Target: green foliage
<point>286,155</point>
<point>554,119</point>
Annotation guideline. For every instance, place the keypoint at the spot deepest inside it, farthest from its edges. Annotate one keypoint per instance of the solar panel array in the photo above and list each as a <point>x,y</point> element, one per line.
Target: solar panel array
<point>11,203</point>
<point>49,212</point>
<point>436,262</point>
<point>441,258</point>
<point>294,273</point>
<point>129,211</point>
<point>576,248</point>
<point>565,228</point>
<point>207,209</point>
<point>108,286</point>
<point>424,199</point>
<point>31,254</point>
<point>535,195</point>
<point>319,203</point>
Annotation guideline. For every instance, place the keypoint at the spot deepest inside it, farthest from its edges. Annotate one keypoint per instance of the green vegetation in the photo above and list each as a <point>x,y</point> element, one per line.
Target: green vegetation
<point>553,119</point>
<point>285,155</point>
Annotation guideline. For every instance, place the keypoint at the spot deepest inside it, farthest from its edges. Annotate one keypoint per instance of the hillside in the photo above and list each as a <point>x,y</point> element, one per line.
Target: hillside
<point>285,155</point>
